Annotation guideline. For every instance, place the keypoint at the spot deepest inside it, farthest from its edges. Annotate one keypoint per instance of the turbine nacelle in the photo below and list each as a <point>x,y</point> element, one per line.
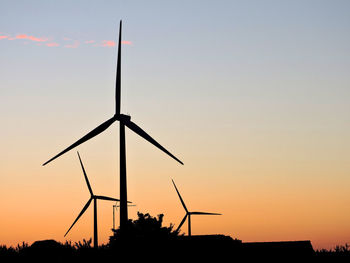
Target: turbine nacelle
<point>122,118</point>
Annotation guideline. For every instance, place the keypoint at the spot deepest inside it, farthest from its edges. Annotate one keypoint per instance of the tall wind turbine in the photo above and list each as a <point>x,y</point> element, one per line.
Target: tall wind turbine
<point>92,198</point>
<point>188,213</point>
<point>124,120</point>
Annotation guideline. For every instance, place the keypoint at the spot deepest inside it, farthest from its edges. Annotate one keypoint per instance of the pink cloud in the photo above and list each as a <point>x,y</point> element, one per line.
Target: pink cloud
<point>75,45</point>
<point>32,38</point>
<point>108,43</point>
<point>53,44</point>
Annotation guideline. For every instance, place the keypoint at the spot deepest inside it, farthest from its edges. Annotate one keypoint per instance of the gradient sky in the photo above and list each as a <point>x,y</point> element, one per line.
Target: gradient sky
<point>253,96</point>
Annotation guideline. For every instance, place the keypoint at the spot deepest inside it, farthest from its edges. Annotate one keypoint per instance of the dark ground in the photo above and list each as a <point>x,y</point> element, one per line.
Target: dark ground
<point>214,248</point>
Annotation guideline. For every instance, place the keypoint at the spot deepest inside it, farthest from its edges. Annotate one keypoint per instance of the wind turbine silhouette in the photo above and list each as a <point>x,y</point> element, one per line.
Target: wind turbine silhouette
<point>188,213</point>
<point>92,198</point>
<point>124,120</point>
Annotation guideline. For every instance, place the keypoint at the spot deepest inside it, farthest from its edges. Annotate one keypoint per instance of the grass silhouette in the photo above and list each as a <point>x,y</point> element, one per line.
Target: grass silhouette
<point>148,240</point>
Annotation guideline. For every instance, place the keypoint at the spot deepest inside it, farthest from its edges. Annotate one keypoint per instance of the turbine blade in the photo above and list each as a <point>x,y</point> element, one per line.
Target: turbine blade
<point>88,136</point>
<point>81,213</point>
<point>118,74</point>
<point>106,198</point>
<point>86,178</point>
<point>204,213</point>
<point>132,126</point>
<point>182,222</point>
<point>110,199</point>
<point>178,193</point>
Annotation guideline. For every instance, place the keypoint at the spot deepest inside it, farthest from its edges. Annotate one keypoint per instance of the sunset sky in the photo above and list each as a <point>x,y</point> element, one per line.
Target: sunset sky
<point>253,97</point>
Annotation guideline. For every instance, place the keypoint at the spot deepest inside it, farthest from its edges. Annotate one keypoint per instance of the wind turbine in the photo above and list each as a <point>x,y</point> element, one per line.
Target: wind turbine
<point>188,213</point>
<point>92,198</point>
<point>124,120</point>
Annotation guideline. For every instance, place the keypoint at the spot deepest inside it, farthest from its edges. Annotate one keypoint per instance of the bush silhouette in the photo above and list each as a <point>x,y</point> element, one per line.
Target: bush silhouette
<point>144,228</point>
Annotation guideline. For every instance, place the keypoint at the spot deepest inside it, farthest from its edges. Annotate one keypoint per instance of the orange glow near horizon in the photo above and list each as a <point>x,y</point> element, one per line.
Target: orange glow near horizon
<point>47,199</point>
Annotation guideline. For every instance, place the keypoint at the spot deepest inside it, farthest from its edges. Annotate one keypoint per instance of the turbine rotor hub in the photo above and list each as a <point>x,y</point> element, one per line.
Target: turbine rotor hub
<point>123,117</point>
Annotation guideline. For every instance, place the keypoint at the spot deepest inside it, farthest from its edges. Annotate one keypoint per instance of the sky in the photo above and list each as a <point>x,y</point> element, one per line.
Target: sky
<point>253,97</point>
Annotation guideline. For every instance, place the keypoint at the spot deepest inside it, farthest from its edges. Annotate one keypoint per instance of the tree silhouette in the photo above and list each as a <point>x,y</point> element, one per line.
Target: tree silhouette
<point>145,228</point>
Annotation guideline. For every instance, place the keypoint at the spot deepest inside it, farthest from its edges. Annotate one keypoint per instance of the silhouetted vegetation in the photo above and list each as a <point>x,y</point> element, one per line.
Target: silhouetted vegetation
<point>144,229</point>
<point>340,253</point>
<point>149,240</point>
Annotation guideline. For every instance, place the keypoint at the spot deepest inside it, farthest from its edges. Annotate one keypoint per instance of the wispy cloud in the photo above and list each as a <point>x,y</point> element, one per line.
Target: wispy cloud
<point>126,42</point>
<point>110,43</point>
<point>74,45</point>
<point>40,41</point>
<point>32,38</point>
<point>53,44</point>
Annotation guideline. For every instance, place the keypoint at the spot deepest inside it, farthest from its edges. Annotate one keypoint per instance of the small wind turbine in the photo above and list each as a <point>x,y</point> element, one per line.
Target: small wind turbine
<point>188,213</point>
<point>92,198</point>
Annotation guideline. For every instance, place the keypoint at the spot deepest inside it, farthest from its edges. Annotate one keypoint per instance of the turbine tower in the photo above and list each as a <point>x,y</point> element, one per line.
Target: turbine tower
<point>124,120</point>
<point>92,198</point>
<point>188,213</point>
